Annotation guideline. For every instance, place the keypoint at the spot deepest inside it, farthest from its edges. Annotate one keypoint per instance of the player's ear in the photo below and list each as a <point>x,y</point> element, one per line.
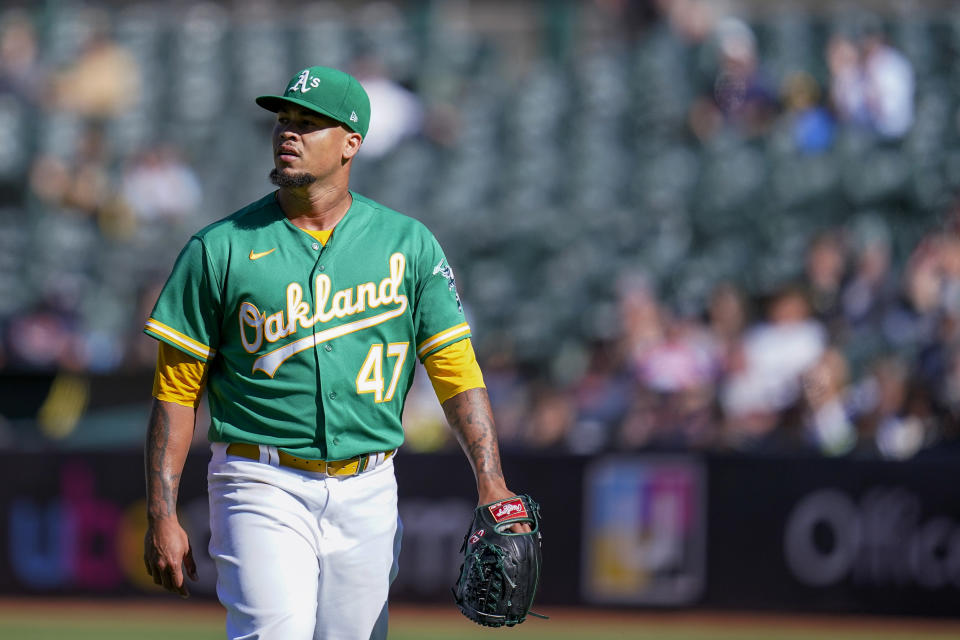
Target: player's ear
<point>351,144</point>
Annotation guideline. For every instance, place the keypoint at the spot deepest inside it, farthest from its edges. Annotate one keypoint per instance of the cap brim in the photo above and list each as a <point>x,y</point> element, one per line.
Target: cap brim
<point>275,103</point>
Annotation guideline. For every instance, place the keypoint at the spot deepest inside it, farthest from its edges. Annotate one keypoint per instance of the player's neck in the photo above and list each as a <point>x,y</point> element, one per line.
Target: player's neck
<point>314,207</point>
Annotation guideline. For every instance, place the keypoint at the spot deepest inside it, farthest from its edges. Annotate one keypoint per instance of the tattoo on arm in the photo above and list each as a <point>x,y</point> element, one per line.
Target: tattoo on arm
<point>164,455</point>
<point>471,419</point>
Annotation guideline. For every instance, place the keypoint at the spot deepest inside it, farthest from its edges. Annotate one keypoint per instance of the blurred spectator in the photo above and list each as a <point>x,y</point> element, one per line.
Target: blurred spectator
<point>103,82</point>
<point>847,82</point>
<point>826,420</point>
<point>684,360</point>
<point>888,85</point>
<point>159,186</point>
<point>691,20</point>
<point>681,372</point>
<point>676,421</point>
<point>640,316</point>
<point>825,272</point>
<point>82,185</point>
<point>932,288</point>
<point>396,112</point>
<point>727,318</point>
<point>742,98</point>
<point>640,428</point>
<point>872,84</point>
<point>774,354</point>
<point>552,419</point>
<point>601,399</point>
<point>877,399</point>
<point>872,290</point>
<point>895,412</point>
<point>508,394</point>
<point>903,434</point>
<point>21,72</point>
<point>44,338</point>
<point>948,398</point>
<point>811,123</point>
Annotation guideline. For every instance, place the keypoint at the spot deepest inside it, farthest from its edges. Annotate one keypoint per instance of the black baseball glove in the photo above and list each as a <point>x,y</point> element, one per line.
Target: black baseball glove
<point>501,569</point>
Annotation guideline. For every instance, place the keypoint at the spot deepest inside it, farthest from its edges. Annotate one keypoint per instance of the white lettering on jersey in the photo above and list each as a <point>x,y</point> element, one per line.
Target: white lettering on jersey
<point>330,305</point>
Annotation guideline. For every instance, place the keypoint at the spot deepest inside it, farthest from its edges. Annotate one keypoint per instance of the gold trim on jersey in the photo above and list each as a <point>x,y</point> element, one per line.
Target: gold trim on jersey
<point>449,334</point>
<point>186,342</point>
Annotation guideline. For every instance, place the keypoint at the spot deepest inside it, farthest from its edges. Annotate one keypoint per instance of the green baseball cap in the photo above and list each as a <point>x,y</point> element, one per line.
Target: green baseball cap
<point>331,92</point>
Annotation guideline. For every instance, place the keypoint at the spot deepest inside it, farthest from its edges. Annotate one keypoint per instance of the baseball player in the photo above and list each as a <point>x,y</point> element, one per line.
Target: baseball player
<point>301,315</point>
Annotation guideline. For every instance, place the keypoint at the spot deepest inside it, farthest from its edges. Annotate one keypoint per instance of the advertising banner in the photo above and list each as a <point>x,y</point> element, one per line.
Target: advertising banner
<point>834,535</point>
<point>74,524</point>
<point>644,531</point>
<point>619,531</point>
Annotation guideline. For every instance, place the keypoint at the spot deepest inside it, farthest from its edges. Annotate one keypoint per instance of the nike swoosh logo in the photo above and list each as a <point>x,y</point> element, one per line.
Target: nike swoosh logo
<point>257,256</point>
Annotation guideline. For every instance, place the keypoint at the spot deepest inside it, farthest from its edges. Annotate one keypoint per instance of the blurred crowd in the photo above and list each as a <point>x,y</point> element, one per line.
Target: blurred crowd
<point>74,197</point>
<point>855,352</point>
<point>852,358</point>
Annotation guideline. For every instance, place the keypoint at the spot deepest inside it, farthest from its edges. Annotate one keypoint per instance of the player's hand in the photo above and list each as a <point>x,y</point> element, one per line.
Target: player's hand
<point>496,494</point>
<point>167,555</point>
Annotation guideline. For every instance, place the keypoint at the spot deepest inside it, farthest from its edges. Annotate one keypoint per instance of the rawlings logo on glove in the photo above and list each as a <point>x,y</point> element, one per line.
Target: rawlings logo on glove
<point>501,569</point>
<point>508,509</point>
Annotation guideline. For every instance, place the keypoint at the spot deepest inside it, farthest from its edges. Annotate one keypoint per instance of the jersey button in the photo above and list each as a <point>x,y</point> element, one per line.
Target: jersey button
<point>321,268</point>
<point>327,347</point>
<point>316,246</point>
<point>336,441</point>
<point>332,395</point>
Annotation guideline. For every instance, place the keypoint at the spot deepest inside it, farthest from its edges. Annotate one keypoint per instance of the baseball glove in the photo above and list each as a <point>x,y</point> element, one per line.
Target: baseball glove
<point>501,569</point>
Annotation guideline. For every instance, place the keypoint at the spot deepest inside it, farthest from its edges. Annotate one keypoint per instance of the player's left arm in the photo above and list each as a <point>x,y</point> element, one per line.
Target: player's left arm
<point>444,346</point>
<point>458,383</point>
<point>471,419</point>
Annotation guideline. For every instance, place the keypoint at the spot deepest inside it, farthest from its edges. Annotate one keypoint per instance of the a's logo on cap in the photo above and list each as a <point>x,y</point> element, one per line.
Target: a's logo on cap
<point>304,82</point>
<point>353,117</point>
<point>301,82</point>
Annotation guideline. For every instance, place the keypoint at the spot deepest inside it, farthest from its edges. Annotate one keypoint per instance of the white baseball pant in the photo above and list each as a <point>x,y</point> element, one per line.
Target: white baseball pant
<point>302,555</point>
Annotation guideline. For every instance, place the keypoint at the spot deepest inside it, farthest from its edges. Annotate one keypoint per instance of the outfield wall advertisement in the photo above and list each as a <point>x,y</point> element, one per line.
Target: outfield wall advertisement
<point>622,531</point>
<point>835,535</point>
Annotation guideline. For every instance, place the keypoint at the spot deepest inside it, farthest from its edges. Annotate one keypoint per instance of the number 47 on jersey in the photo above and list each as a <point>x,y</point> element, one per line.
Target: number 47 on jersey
<point>370,379</point>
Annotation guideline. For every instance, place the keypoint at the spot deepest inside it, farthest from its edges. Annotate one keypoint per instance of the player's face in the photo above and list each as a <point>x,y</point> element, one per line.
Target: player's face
<point>306,143</point>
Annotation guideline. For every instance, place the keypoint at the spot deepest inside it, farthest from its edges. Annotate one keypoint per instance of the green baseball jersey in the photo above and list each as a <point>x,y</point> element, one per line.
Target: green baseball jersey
<point>310,347</point>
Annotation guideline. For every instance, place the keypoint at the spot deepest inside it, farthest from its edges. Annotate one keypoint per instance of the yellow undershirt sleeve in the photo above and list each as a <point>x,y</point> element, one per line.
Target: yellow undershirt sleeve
<point>454,369</point>
<point>321,236</point>
<point>179,378</point>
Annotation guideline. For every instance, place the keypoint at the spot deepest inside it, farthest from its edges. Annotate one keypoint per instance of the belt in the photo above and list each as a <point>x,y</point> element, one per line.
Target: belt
<point>350,467</point>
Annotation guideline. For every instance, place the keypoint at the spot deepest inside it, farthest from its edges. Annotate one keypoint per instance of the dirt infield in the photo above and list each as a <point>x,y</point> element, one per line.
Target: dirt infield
<point>428,618</point>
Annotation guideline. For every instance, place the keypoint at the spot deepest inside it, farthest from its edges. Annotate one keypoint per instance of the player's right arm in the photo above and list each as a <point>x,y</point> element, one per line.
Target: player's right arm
<point>178,384</point>
<point>167,552</point>
<point>185,320</point>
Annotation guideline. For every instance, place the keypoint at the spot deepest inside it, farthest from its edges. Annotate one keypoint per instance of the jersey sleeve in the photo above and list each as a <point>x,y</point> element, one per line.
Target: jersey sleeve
<point>188,313</point>
<point>179,377</point>
<point>454,369</point>
<point>438,314</point>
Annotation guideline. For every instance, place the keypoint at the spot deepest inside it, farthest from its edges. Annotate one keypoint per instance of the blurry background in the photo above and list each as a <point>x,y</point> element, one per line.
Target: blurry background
<point>709,251</point>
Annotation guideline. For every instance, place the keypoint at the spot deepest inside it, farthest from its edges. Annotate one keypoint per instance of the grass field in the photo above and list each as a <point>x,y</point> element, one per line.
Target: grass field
<point>84,620</point>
